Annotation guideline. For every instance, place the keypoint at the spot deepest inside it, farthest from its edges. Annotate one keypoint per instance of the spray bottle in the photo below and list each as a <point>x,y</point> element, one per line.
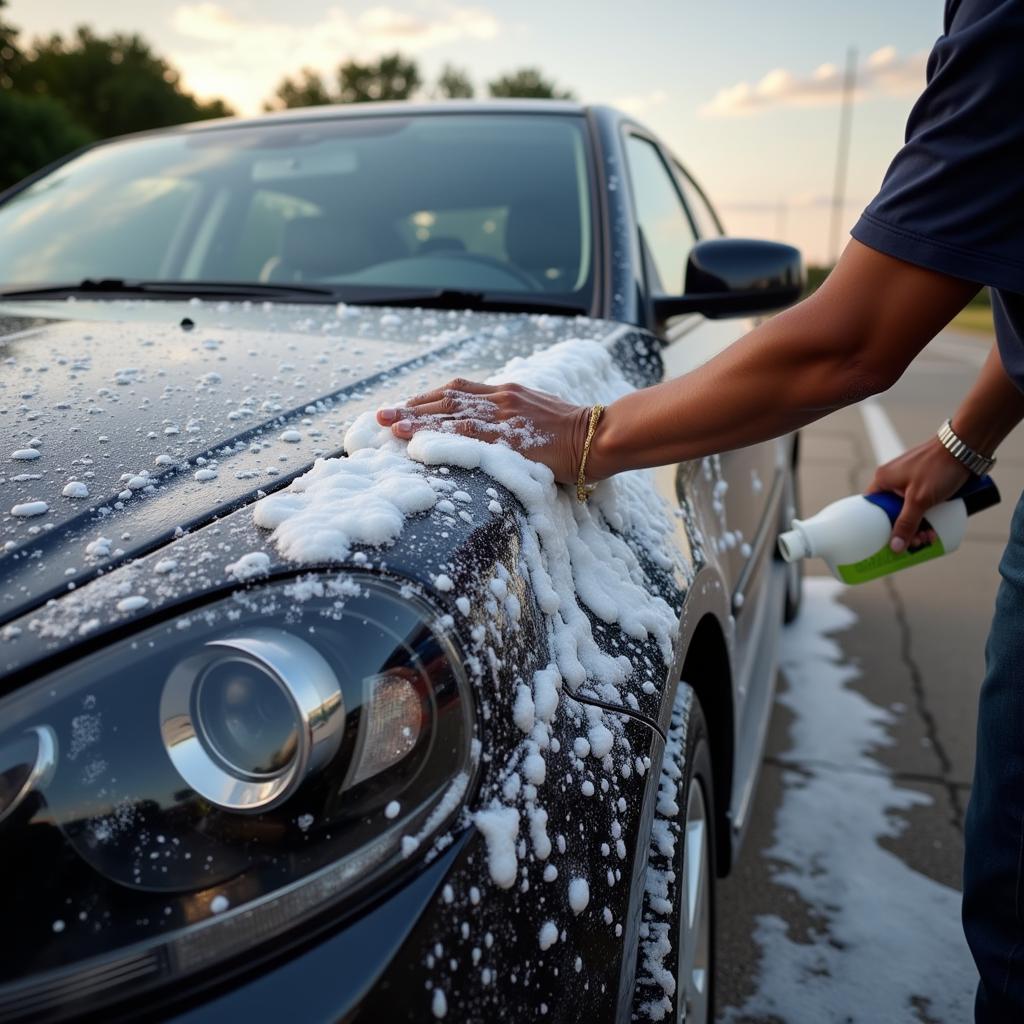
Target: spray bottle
<point>852,534</point>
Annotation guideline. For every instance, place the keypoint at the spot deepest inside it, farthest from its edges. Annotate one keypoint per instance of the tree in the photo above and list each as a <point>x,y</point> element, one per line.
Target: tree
<point>34,130</point>
<point>454,84</point>
<point>58,94</point>
<point>10,54</point>
<point>393,77</point>
<point>307,89</point>
<point>110,86</point>
<point>528,83</point>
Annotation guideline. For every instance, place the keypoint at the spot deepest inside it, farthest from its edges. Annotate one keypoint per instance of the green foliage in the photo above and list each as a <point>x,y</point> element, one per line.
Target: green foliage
<point>34,130</point>
<point>10,54</point>
<point>307,89</point>
<point>528,83</point>
<point>815,278</point>
<point>983,299</point>
<point>393,77</point>
<point>110,86</point>
<point>59,93</point>
<point>454,84</point>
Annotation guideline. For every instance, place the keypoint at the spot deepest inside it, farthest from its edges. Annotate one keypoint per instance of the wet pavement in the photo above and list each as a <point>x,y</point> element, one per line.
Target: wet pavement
<point>844,905</point>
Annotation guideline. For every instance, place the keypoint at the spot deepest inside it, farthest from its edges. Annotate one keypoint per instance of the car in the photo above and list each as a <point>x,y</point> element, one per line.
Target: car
<point>297,723</point>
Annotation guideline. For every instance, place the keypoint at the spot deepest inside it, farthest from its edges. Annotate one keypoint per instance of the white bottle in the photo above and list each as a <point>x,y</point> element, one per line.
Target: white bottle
<point>852,534</point>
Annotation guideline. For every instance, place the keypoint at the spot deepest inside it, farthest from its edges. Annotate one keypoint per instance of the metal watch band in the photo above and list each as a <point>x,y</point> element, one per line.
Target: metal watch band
<point>977,463</point>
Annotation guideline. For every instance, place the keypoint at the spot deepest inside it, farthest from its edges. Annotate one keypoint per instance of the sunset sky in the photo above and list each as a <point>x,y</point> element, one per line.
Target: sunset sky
<point>745,92</point>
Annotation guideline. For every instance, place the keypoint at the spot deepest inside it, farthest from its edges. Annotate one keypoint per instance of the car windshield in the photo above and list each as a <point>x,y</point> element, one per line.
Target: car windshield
<point>489,204</point>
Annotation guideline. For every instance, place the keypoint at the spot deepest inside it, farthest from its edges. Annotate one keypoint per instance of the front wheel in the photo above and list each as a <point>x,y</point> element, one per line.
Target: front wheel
<point>676,961</point>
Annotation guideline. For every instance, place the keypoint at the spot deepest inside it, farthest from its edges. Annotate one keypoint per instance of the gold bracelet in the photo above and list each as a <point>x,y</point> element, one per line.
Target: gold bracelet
<point>582,490</point>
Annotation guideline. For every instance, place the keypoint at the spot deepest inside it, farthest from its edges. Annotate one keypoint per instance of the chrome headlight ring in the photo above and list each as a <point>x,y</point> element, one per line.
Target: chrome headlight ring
<point>294,676</point>
<point>32,770</point>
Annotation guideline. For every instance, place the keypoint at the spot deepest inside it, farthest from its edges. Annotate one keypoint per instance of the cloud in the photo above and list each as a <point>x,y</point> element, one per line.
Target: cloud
<point>884,73</point>
<point>643,104</point>
<point>244,58</point>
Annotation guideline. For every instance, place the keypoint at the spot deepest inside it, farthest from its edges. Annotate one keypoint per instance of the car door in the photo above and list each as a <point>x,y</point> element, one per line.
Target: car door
<point>741,488</point>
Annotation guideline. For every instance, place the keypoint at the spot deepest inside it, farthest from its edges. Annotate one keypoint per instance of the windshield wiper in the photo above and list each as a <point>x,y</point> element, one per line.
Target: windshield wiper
<point>172,289</point>
<point>456,298</point>
<point>433,298</point>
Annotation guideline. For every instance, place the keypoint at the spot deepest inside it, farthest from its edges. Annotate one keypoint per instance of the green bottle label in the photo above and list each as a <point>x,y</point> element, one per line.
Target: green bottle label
<point>885,561</point>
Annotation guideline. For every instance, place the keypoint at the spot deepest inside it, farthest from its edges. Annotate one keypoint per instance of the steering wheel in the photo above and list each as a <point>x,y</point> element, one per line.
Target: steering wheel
<point>489,261</point>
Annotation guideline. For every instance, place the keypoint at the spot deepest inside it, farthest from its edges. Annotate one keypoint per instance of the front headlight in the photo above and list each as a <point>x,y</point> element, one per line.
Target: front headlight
<point>248,717</point>
<point>180,797</point>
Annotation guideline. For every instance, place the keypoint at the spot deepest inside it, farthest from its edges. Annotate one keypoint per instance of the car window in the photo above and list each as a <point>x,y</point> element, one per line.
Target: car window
<point>660,213</point>
<point>262,231</point>
<point>80,229</point>
<point>700,210</point>
<point>471,229</point>
<point>495,204</point>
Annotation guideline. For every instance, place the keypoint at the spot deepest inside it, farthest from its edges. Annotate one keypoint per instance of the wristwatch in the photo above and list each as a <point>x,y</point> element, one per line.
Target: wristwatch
<point>977,463</point>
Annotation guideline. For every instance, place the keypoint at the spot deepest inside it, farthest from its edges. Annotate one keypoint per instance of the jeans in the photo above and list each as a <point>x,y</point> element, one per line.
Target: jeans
<point>993,907</point>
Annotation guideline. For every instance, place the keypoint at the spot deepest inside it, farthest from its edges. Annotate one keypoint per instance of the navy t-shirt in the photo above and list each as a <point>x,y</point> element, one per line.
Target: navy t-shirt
<point>953,197</point>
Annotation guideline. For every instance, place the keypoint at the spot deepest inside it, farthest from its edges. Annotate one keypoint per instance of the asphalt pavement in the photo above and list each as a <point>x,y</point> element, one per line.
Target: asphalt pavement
<point>844,905</point>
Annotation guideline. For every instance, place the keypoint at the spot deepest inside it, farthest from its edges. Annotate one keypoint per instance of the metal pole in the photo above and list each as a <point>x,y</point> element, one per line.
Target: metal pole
<point>843,154</point>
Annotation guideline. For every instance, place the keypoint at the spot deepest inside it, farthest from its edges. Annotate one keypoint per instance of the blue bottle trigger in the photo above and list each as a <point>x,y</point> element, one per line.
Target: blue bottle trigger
<point>978,494</point>
<point>889,502</point>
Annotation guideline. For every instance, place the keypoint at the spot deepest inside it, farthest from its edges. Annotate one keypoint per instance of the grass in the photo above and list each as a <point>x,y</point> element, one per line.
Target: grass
<point>976,319</point>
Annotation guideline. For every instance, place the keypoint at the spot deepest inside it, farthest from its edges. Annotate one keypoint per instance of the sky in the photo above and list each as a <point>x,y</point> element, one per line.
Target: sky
<point>744,92</point>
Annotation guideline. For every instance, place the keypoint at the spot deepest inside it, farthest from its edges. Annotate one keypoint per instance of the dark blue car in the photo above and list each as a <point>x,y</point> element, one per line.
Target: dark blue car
<point>369,764</point>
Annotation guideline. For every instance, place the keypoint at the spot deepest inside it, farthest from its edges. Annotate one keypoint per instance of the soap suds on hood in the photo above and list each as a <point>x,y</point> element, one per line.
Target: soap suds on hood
<point>580,561</point>
<point>362,499</point>
<point>365,498</point>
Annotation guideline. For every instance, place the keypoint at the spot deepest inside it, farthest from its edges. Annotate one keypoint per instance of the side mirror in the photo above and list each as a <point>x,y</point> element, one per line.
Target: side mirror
<point>732,276</point>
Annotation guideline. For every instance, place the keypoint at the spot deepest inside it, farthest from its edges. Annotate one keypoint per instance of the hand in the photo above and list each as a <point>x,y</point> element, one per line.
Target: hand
<point>538,425</point>
<point>923,476</point>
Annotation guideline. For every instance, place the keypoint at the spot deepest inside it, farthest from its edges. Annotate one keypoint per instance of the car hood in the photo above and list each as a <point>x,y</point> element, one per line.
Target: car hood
<point>163,416</point>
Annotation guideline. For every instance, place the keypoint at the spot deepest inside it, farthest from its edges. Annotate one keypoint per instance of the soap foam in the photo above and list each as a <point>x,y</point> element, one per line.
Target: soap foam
<point>576,556</point>
<point>362,499</point>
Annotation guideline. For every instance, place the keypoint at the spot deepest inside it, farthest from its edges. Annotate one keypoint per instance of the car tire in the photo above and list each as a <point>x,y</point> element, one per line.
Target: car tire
<point>676,954</point>
<point>791,506</point>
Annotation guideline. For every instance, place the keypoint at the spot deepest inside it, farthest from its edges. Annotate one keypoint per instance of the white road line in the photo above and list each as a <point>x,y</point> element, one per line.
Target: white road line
<point>885,442</point>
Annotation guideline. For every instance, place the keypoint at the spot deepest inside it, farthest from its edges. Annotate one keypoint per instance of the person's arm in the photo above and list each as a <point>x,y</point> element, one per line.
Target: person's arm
<point>928,474</point>
<point>853,338</point>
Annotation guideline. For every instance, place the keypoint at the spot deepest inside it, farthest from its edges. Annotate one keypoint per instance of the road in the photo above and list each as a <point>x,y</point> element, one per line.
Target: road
<point>845,904</point>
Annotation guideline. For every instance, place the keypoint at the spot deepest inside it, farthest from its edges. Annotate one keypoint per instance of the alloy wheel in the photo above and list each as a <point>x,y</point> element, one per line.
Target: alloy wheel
<point>693,982</point>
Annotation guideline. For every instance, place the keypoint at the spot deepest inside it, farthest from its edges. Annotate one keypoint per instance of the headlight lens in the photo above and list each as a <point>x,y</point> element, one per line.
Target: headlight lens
<point>250,755</point>
<point>247,718</point>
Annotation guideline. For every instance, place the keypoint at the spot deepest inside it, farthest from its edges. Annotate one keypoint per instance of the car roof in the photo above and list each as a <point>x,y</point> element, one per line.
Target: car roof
<point>405,108</point>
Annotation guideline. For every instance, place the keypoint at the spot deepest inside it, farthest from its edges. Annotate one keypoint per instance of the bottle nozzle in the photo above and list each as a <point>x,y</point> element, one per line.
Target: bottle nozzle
<point>793,546</point>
